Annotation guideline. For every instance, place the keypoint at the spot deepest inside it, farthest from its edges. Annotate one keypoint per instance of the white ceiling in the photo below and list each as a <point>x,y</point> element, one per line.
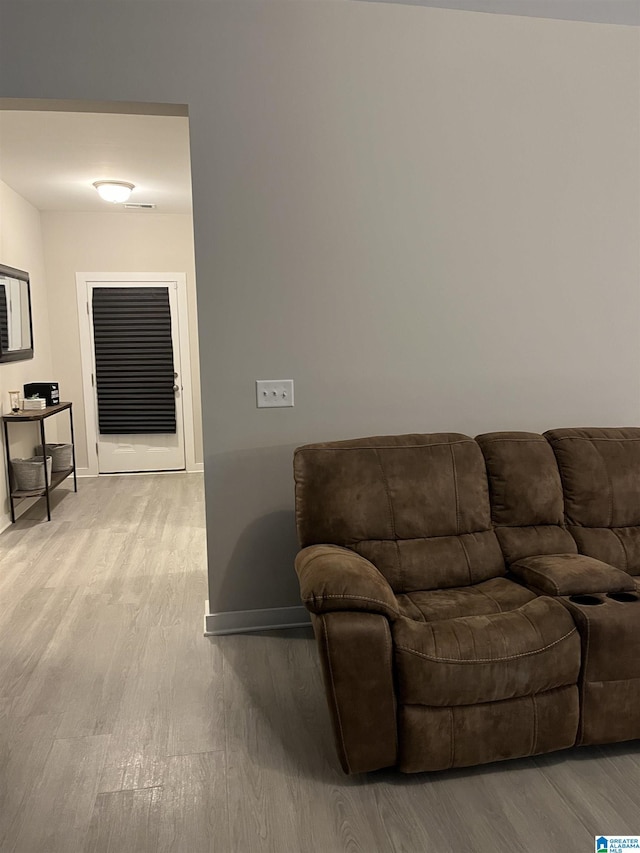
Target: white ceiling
<point>52,158</point>
<point>625,12</point>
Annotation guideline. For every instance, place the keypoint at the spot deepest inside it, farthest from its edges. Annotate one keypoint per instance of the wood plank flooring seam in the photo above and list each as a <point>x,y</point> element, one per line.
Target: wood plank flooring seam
<point>130,790</point>
<point>212,641</point>
<point>194,752</point>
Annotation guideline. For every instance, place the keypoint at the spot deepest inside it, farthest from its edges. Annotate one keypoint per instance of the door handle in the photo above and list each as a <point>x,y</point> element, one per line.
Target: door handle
<point>176,387</point>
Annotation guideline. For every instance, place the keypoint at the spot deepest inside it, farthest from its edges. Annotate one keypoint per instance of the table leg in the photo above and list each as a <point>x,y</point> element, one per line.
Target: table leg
<point>73,450</point>
<point>46,476</point>
<point>7,456</point>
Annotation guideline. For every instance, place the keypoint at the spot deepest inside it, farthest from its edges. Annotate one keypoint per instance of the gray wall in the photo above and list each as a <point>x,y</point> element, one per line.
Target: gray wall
<point>428,219</point>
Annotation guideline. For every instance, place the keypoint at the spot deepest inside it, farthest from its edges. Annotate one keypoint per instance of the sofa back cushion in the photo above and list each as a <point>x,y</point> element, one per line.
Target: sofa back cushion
<point>526,495</point>
<point>600,470</point>
<point>416,506</point>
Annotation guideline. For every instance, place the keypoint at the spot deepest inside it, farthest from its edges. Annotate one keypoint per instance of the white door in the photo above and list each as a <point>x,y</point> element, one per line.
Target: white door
<point>124,404</point>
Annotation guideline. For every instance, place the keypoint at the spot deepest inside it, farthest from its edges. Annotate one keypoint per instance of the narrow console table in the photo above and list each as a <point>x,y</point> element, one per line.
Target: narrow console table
<point>57,477</point>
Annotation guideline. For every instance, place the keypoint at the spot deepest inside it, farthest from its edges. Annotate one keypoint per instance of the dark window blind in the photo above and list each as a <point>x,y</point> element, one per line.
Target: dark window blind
<point>4,320</point>
<point>134,360</point>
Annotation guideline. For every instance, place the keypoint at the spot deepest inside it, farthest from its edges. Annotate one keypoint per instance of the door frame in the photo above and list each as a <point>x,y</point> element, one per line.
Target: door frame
<point>83,279</point>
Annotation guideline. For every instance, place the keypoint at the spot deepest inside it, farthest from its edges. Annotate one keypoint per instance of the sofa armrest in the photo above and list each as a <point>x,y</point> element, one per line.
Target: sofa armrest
<point>333,578</point>
<point>570,574</point>
<point>356,654</point>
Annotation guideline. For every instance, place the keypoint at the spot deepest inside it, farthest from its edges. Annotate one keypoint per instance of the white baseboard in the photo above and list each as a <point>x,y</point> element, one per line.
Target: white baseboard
<point>5,522</point>
<point>244,621</point>
<point>87,472</point>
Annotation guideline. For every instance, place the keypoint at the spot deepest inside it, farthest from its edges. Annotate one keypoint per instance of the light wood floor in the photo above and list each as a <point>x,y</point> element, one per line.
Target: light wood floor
<point>124,730</point>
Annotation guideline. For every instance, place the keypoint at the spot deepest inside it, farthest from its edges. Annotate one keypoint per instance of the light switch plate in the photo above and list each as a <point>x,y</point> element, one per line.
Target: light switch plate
<point>274,393</point>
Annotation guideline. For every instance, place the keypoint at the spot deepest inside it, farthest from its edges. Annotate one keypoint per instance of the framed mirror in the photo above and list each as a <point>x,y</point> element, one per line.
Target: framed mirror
<point>16,329</point>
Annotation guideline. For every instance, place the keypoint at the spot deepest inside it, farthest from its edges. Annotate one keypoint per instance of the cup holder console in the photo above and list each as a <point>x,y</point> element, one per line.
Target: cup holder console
<point>611,713</point>
<point>585,599</point>
<point>591,600</point>
<point>623,596</point>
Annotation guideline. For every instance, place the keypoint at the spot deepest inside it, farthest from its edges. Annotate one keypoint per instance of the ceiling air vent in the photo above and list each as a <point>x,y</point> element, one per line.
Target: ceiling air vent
<point>134,206</point>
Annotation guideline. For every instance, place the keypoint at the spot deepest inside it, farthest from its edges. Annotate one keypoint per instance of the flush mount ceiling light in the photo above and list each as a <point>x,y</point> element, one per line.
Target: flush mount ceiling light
<point>114,191</point>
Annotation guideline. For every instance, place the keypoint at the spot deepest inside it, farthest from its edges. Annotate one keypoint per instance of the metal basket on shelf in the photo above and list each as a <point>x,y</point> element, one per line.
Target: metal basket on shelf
<point>28,474</point>
<point>61,455</point>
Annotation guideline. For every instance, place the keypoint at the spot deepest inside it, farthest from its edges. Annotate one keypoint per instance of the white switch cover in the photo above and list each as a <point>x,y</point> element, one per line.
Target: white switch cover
<point>274,393</point>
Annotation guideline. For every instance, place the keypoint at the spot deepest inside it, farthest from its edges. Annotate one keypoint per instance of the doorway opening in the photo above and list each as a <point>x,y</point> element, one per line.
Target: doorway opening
<point>52,155</point>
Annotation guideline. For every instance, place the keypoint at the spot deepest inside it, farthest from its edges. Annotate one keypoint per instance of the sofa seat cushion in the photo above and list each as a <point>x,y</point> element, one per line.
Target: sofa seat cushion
<point>493,596</point>
<point>486,658</point>
<point>571,574</point>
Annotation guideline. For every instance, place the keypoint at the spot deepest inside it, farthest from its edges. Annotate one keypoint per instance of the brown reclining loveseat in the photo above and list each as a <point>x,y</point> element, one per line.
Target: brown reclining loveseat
<point>473,600</point>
